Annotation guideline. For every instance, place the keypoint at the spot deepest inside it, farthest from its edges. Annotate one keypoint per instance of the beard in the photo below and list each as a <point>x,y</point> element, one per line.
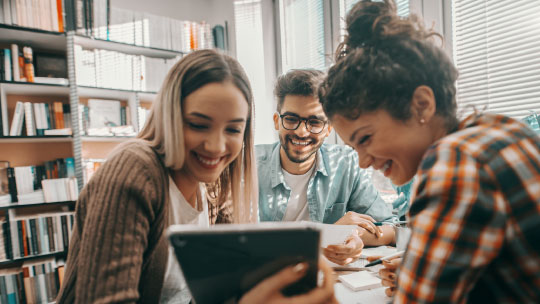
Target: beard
<point>296,156</point>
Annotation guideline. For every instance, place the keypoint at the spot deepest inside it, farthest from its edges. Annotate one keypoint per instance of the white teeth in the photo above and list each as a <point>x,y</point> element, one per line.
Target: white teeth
<point>208,162</point>
<point>386,166</point>
<point>301,143</point>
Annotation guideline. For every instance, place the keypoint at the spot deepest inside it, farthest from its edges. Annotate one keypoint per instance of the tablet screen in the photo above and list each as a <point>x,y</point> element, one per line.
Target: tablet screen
<point>220,265</point>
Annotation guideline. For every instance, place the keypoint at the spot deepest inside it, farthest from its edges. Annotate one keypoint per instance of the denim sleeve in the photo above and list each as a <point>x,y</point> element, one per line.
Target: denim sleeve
<point>366,199</point>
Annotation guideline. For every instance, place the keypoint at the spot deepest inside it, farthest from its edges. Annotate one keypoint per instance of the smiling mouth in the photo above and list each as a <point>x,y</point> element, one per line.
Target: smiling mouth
<point>207,161</point>
<point>300,143</point>
<point>385,168</point>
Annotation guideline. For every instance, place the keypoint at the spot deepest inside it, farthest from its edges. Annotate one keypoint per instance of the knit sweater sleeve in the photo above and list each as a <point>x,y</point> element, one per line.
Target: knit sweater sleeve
<point>120,206</point>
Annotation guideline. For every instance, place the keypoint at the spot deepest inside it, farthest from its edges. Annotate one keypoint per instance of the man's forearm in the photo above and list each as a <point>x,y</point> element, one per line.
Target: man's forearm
<point>370,239</point>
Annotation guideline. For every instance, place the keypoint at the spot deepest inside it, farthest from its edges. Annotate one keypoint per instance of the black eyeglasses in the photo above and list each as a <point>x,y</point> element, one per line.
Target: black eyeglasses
<point>291,122</point>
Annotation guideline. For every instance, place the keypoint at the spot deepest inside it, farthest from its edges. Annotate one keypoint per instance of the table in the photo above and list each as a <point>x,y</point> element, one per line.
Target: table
<point>373,296</point>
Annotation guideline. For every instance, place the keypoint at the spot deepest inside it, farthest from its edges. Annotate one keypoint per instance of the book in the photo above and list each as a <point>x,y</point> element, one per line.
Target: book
<point>15,62</point>
<point>29,119</point>
<point>361,280</point>
<point>17,121</point>
<point>7,65</point>
<point>64,131</point>
<point>104,113</point>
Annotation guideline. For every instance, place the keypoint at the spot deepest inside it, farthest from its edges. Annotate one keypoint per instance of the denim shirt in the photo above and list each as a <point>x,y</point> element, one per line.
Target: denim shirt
<point>338,185</point>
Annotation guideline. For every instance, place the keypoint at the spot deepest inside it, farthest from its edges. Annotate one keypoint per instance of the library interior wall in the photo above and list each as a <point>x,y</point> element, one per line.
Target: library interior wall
<point>212,11</point>
<point>217,12</point>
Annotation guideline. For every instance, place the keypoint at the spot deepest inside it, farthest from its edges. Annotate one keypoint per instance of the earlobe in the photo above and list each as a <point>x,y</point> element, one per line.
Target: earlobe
<point>329,130</point>
<point>423,104</point>
<point>276,121</point>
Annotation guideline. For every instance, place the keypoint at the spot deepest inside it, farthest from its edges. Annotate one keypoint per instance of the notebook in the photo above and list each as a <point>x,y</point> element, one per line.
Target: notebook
<point>361,280</point>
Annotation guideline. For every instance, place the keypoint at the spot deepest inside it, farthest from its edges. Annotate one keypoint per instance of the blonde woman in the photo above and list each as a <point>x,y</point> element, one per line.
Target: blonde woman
<point>197,144</point>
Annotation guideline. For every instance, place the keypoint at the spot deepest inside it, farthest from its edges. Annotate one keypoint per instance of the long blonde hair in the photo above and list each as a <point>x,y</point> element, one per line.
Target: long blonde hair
<point>164,127</point>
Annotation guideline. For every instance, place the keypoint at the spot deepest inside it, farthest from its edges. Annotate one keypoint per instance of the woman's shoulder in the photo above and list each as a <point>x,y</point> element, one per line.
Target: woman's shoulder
<point>136,150</point>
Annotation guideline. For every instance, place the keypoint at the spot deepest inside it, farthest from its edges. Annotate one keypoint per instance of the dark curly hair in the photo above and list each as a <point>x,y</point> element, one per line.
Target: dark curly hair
<point>381,62</point>
<point>302,82</point>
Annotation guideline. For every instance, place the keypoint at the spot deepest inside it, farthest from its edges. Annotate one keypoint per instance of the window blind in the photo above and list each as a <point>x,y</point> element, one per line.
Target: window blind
<point>250,54</point>
<point>496,50</point>
<point>302,34</point>
<point>346,5</point>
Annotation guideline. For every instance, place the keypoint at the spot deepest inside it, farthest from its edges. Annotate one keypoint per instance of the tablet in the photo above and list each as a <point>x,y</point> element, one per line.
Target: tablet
<point>223,262</point>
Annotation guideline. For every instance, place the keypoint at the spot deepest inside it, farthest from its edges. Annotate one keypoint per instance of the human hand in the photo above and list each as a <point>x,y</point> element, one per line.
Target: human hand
<point>269,290</point>
<point>362,220</point>
<point>388,274</point>
<point>345,253</point>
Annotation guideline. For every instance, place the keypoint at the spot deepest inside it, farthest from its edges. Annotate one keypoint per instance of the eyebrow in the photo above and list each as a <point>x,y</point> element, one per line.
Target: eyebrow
<point>309,117</point>
<point>206,117</point>
<point>352,138</point>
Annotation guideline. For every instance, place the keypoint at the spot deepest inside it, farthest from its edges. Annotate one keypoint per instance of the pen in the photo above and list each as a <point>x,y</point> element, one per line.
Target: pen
<point>389,223</point>
<point>388,257</point>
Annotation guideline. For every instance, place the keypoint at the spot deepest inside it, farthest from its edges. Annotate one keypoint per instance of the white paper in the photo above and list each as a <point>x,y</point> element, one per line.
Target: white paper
<point>378,251</point>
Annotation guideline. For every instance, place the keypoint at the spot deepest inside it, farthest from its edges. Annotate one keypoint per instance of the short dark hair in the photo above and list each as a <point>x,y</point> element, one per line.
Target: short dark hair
<point>382,61</point>
<point>302,82</point>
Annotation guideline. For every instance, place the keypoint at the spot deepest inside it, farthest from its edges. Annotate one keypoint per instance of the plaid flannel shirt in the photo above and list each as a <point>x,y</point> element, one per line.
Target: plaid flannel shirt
<point>476,217</point>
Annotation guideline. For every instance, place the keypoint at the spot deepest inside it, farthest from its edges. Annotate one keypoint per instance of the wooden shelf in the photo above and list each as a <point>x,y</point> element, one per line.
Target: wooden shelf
<point>95,92</point>
<point>106,138</point>
<point>147,96</point>
<point>33,257</point>
<point>34,89</point>
<point>36,38</point>
<point>95,43</point>
<point>17,205</point>
<point>36,139</point>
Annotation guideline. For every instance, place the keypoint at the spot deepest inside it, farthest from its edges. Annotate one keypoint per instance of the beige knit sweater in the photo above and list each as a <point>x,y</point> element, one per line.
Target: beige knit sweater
<point>118,251</point>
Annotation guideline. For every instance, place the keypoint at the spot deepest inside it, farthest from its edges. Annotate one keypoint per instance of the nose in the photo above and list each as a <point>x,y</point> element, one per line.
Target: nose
<point>302,130</point>
<point>215,143</point>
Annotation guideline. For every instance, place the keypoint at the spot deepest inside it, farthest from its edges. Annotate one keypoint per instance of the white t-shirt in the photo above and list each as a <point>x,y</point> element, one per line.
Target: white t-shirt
<point>297,207</point>
<point>181,212</point>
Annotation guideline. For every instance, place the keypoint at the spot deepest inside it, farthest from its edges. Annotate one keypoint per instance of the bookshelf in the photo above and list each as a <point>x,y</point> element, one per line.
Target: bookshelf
<point>87,151</point>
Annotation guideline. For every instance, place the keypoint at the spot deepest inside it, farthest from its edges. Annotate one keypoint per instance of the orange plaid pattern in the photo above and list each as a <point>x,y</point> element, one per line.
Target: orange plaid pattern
<point>475,217</point>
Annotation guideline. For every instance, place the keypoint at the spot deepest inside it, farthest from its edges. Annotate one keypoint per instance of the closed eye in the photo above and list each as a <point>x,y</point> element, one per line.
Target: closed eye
<point>233,130</point>
<point>364,139</point>
<point>197,126</point>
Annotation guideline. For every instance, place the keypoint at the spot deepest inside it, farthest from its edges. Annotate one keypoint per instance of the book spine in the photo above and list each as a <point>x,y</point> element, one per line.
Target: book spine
<point>34,237</point>
<point>7,65</point>
<point>50,233</point>
<point>14,232</point>
<point>7,240</point>
<point>21,239</point>
<point>15,62</point>
<point>20,288</point>
<point>29,119</point>
<point>16,122</point>
<point>65,233</point>
<point>12,184</point>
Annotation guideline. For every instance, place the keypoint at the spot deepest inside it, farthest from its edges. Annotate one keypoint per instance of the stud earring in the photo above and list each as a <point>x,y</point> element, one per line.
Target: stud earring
<point>422,121</point>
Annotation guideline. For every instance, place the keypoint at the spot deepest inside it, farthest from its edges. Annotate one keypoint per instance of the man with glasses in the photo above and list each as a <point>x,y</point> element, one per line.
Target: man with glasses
<point>301,178</point>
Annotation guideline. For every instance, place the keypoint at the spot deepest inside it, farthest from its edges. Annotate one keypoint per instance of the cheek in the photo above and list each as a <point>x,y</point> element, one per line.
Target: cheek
<point>235,145</point>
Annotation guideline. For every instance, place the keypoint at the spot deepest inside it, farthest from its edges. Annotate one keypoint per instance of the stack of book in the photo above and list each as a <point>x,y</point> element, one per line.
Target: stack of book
<point>103,117</point>
<point>31,236</point>
<point>41,14</point>
<point>115,70</point>
<point>90,166</point>
<point>51,182</point>
<point>39,119</point>
<point>19,63</point>
<point>33,283</point>
<point>97,18</point>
